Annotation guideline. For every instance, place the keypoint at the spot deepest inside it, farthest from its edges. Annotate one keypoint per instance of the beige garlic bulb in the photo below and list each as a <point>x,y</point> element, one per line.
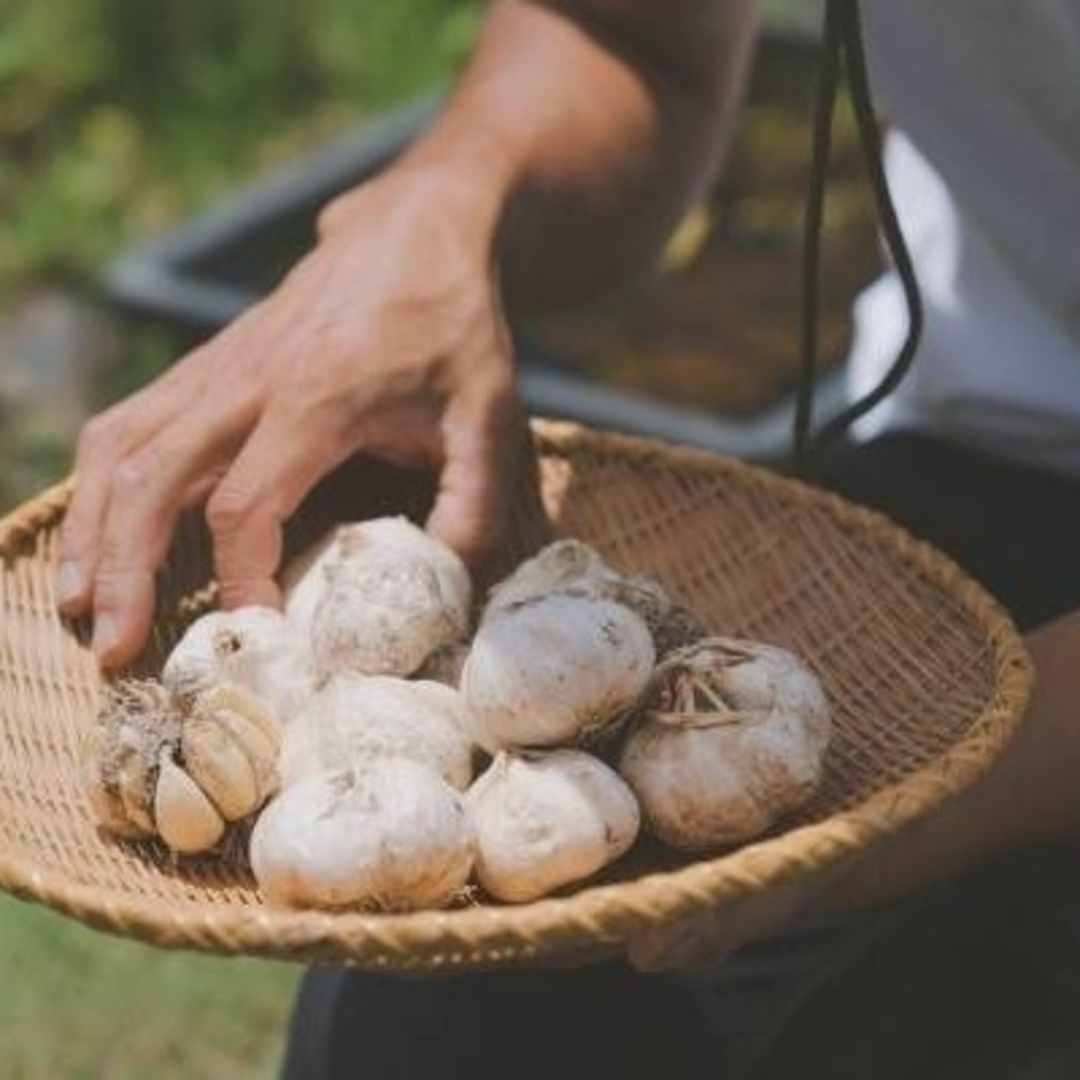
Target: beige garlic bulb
<point>547,819</point>
<point>380,598</point>
<point>733,735</point>
<point>356,719</point>
<point>252,647</point>
<point>550,667</point>
<point>181,770</point>
<point>390,837</point>
<point>136,722</point>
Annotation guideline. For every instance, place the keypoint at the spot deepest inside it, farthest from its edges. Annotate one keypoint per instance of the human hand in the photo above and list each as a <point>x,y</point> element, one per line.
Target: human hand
<point>387,339</point>
<point>702,939</point>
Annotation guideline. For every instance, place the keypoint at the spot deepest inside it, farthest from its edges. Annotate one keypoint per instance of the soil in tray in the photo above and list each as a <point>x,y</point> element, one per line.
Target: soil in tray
<point>717,329</point>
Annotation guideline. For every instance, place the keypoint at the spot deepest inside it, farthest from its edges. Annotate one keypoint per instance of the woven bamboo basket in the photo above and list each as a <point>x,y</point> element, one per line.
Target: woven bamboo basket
<point>926,675</point>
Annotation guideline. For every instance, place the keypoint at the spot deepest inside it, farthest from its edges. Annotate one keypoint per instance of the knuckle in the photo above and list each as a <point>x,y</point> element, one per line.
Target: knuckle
<point>132,477</point>
<point>227,509</point>
<point>98,433</point>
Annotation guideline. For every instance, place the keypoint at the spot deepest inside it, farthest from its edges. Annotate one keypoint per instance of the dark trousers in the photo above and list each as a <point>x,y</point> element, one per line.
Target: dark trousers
<point>979,980</point>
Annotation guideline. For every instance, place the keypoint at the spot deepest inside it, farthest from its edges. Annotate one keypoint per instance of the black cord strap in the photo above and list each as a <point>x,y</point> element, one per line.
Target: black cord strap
<point>842,47</point>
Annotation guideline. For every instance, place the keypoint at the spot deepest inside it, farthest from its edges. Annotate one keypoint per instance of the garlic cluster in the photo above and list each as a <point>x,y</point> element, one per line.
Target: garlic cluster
<point>154,764</point>
<point>732,735</point>
<point>389,753</point>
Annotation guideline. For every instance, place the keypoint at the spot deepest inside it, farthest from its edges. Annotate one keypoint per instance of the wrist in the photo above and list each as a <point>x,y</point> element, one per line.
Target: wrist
<point>465,169</point>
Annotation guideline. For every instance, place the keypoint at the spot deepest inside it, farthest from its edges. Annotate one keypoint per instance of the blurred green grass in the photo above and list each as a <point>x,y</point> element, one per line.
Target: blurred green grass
<point>79,1004</point>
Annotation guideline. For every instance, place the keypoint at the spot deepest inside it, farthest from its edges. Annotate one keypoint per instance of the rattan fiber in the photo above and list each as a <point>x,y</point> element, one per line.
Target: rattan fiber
<point>927,677</point>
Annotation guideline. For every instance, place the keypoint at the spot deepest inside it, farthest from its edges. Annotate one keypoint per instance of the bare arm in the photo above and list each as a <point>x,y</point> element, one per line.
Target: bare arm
<point>589,127</point>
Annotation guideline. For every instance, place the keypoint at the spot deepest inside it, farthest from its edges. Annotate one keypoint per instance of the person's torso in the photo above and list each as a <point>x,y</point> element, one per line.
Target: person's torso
<point>989,92</point>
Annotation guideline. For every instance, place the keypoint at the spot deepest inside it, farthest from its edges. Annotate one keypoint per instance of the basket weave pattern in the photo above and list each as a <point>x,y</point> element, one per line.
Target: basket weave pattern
<point>926,677</point>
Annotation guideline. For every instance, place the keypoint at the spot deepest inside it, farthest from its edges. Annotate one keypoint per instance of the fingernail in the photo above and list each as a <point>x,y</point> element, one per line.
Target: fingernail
<point>106,636</point>
<point>69,583</point>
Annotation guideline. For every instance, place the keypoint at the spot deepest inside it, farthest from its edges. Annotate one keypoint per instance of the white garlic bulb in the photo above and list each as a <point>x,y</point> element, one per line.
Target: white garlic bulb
<point>391,837</point>
<point>380,598</point>
<point>573,567</point>
<point>355,719</point>
<point>554,670</point>
<point>548,819</point>
<point>733,735</point>
<point>182,770</point>
<point>252,647</point>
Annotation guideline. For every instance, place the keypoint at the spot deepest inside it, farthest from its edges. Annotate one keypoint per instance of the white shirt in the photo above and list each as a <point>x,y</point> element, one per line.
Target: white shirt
<point>989,91</point>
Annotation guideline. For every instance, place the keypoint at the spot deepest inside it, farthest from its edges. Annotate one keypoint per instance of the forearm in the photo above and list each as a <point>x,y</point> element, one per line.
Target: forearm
<point>1029,796</point>
<point>586,129</point>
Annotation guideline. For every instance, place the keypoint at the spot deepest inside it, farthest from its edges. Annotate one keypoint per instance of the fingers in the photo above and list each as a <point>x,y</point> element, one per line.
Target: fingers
<point>247,512</point>
<point>488,475</point>
<point>146,492</point>
<point>692,942</point>
<point>106,441</point>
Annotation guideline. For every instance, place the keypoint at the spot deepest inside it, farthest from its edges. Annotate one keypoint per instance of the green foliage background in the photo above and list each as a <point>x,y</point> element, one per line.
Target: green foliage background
<point>118,116</point>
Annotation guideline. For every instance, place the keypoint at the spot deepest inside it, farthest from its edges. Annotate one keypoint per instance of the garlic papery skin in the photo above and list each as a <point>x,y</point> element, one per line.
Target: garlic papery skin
<point>548,819</point>
<point>732,736</point>
<point>252,647</point>
<point>391,837</point>
<point>136,722</point>
<point>354,720</point>
<point>153,764</point>
<point>391,596</point>
<point>554,670</point>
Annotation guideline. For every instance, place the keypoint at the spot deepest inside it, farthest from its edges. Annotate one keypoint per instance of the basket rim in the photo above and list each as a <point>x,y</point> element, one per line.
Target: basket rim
<point>596,919</point>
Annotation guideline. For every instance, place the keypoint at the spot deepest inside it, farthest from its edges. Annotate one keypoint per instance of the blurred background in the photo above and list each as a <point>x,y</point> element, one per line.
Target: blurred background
<point>119,121</point>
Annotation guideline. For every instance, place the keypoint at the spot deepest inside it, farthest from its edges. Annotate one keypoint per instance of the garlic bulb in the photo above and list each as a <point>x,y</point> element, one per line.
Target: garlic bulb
<point>229,746</point>
<point>573,567</point>
<point>153,765</point>
<point>732,736</point>
<point>253,647</point>
<point>356,719</point>
<point>136,722</point>
<point>381,598</point>
<point>554,670</point>
<point>390,837</point>
<point>548,819</point>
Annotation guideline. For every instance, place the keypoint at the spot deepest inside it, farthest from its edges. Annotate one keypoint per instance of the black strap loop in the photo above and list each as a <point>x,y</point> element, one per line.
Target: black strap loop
<point>842,48</point>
